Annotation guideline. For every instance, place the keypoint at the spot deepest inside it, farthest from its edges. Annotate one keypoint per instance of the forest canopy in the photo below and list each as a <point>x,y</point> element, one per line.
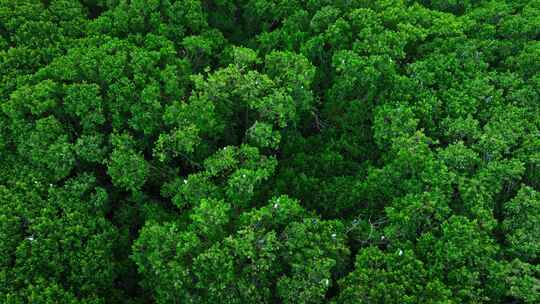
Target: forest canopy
<point>269,151</point>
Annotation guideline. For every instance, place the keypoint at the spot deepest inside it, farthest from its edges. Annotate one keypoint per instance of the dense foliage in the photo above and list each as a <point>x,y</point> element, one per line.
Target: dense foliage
<point>269,151</point>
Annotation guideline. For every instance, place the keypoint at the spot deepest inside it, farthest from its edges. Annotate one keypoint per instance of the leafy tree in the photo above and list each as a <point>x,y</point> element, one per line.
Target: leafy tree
<point>269,151</point>
<point>521,224</point>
